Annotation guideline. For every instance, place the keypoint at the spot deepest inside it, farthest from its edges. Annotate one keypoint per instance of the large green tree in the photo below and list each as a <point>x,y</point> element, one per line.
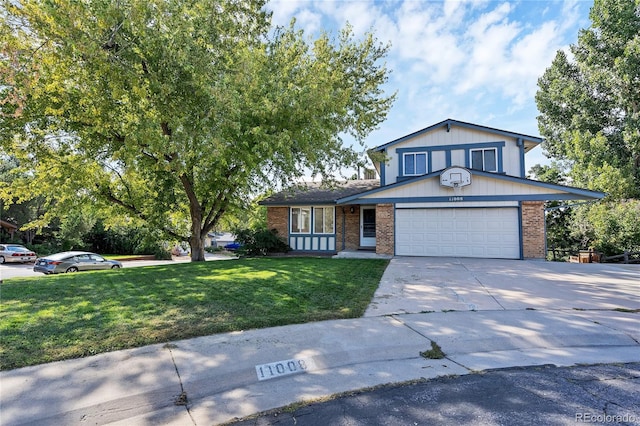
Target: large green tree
<point>590,104</point>
<point>174,111</point>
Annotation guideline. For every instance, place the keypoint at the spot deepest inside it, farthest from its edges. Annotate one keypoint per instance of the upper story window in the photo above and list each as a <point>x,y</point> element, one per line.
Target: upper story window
<point>300,220</point>
<point>323,220</point>
<point>484,159</point>
<point>415,163</point>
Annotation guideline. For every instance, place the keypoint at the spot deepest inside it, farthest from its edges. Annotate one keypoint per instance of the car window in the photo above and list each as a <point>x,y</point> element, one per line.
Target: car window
<point>82,258</point>
<point>1,247</point>
<point>97,258</point>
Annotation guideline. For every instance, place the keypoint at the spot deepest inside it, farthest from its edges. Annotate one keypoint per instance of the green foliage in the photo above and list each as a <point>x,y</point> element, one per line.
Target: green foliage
<point>590,106</point>
<point>434,353</point>
<point>558,215</point>
<point>260,242</point>
<point>552,173</point>
<point>176,113</point>
<point>609,227</point>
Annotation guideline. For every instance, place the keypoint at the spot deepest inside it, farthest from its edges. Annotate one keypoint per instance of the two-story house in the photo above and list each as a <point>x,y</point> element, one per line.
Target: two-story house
<point>451,189</point>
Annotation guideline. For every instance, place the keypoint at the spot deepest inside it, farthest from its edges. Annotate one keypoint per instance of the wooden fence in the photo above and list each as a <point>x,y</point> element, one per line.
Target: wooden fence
<point>589,256</point>
<point>626,257</point>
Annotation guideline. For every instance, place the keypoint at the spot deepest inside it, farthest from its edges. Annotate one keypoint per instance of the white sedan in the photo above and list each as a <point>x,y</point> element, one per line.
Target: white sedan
<point>15,253</point>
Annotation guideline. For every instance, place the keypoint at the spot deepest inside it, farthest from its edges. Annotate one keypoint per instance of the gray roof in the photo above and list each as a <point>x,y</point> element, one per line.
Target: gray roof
<point>316,193</point>
<point>533,140</point>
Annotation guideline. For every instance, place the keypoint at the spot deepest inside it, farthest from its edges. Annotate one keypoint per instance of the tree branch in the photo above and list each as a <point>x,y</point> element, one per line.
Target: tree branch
<point>108,194</point>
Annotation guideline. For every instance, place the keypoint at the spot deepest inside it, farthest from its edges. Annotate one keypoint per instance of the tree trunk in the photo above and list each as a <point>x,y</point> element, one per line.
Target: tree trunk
<point>197,247</point>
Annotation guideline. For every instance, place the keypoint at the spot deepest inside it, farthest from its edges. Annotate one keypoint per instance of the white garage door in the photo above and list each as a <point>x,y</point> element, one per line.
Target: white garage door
<point>461,232</point>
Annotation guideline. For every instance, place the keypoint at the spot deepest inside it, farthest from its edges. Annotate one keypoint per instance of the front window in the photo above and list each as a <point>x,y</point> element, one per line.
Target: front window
<point>300,220</point>
<point>484,159</point>
<point>323,220</point>
<point>415,164</point>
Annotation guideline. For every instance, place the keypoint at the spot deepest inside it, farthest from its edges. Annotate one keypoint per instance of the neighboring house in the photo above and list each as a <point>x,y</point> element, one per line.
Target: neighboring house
<point>9,227</point>
<point>451,189</point>
<point>219,239</point>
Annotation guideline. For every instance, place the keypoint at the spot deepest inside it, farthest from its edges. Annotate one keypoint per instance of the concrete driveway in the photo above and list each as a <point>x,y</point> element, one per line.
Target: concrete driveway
<point>505,314</point>
<point>427,284</point>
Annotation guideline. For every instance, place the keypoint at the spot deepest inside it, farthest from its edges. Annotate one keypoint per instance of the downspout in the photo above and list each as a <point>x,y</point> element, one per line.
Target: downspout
<point>344,224</point>
<point>522,167</point>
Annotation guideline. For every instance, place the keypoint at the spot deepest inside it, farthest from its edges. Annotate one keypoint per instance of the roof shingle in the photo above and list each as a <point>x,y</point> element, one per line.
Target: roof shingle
<point>317,193</point>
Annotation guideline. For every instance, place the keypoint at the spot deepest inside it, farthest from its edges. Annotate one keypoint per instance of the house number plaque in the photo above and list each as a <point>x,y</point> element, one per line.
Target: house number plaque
<point>283,368</point>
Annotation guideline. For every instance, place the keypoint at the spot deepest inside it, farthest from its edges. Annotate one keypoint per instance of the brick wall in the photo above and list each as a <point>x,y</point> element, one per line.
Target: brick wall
<point>351,228</point>
<point>278,219</point>
<point>384,229</point>
<point>533,237</point>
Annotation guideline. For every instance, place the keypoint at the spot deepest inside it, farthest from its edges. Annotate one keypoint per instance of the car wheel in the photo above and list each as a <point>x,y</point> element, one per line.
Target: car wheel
<point>115,267</point>
<point>1,259</point>
<point>72,269</point>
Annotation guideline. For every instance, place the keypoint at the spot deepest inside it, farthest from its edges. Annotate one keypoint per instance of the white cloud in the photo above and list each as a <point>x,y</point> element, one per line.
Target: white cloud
<point>474,60</point>
<point>283,11</point>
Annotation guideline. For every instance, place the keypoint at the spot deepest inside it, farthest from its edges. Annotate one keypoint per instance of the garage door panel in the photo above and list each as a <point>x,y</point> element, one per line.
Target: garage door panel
<point>462,232</point>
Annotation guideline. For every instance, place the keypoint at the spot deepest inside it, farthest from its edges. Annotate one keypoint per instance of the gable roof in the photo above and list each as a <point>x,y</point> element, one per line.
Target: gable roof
<point>316,193</point>
<point>533,141</point>
<point>8,225</point>
<point>562,192</point>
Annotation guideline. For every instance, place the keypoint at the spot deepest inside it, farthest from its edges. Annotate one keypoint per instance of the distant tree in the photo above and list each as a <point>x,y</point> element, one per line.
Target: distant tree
<point>552,173</point>
<point>19,211</point>
<point>590,105</point>
<point>177,112</point>
<point>558,214</point>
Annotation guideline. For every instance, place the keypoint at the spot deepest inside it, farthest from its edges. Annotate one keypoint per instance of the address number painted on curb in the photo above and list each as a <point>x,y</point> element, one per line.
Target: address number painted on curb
<point>283,368</point>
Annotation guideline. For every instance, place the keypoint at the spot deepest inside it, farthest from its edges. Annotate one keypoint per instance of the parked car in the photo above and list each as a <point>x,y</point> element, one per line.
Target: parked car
<point>232,246</point>
<point>16,253</point>
<point>73,261</point>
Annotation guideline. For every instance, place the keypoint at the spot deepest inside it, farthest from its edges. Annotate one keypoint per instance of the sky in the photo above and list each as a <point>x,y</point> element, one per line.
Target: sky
<point>476,61</point>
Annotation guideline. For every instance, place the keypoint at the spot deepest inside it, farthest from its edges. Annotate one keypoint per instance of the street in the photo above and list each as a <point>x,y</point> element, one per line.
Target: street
<point>14,270</point>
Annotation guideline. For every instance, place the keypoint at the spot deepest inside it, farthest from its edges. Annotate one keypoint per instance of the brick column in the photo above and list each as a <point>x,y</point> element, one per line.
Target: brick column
<point>278,219</point>
<point>351,227</point>
<point>385,229</point>
<point>533,235</point>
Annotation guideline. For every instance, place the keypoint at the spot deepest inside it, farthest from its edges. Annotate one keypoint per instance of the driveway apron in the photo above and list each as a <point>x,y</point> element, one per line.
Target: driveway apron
<point>428,284</point>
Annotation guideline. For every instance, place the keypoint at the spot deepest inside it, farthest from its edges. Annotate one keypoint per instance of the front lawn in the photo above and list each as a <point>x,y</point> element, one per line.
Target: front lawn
<point>58,317</point>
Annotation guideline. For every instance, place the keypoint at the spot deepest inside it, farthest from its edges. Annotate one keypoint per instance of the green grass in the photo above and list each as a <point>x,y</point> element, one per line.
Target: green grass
<point>51,318</point>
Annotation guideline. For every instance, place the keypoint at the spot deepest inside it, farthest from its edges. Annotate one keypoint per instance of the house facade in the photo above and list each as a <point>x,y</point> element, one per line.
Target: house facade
<point>452,189</point>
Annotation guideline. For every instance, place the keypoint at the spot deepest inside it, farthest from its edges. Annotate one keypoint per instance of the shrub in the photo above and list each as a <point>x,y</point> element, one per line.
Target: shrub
<point>260,242</point>
<point>611,227</point>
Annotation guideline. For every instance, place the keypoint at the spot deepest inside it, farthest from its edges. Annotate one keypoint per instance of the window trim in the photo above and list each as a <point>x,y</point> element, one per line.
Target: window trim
<point>333,221</point>
<point>300,232</point>
<point>414,155</point>
<point>494,149</point>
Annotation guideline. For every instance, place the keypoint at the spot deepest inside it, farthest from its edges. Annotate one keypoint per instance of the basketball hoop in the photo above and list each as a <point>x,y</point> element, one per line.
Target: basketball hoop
<point>455,177</point>
<point>457,189</point>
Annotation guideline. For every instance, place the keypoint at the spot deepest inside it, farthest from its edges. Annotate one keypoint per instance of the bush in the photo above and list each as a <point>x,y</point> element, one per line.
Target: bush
<point>611,227</point>
<point>260,242</point>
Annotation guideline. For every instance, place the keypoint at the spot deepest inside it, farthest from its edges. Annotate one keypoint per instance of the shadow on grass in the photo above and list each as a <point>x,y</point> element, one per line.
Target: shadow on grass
<point>73,315</point>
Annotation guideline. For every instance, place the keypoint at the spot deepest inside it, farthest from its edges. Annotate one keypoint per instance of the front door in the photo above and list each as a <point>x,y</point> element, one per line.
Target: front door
<point>367,226</point>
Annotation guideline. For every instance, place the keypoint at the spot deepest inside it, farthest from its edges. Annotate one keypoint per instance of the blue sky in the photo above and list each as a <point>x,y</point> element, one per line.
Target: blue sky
<point>476,60</point>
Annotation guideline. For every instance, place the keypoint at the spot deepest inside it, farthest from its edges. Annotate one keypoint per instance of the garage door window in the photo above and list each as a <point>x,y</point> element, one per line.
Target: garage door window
<point>415,164</point>
<point>484,159</point>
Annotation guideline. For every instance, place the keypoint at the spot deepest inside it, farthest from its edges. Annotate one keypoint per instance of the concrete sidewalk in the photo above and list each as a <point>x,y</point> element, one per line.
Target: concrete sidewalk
<point>213,379</point>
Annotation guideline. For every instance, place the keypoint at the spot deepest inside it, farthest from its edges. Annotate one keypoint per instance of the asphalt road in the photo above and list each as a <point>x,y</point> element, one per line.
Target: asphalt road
<point>541,395</point>
<point>13,270</point>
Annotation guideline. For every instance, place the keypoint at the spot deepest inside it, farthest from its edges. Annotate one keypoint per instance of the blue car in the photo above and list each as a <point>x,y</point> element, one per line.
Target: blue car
<point>232,246</point>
